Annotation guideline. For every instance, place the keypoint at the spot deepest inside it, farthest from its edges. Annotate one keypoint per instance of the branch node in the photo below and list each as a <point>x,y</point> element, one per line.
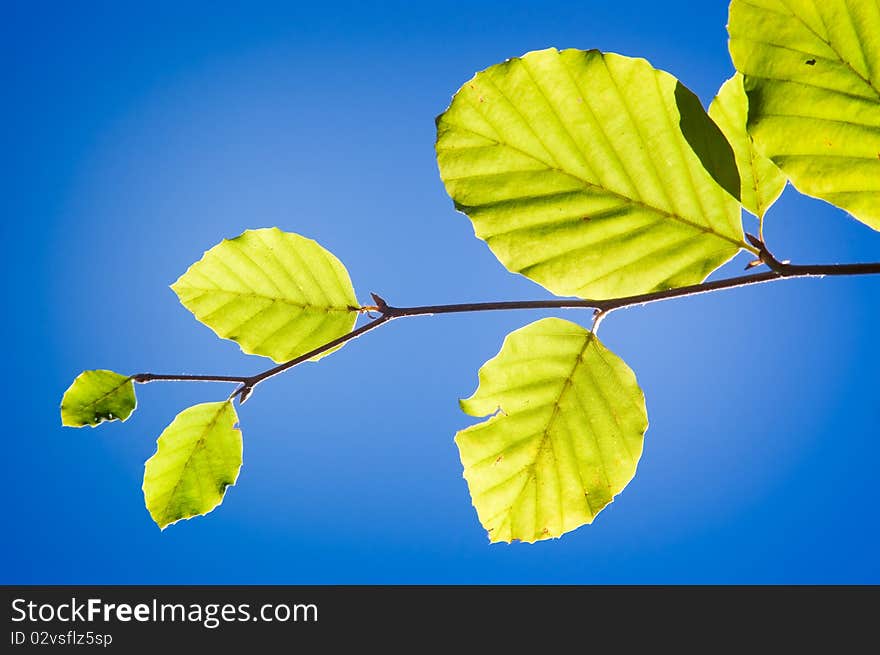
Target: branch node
<point>766,257</point>
<point>243,392</point>
<point>755,241</point>
<point>383,307</point>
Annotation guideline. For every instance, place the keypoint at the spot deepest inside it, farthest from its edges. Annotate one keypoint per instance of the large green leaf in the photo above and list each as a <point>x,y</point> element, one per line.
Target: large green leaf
<point>761,182</point>
<point>566,438</point>
<point>276,293</point>
<point>197,457</point>
<point>593,174</point>
<point>812,75</point>
<point>97,396</point>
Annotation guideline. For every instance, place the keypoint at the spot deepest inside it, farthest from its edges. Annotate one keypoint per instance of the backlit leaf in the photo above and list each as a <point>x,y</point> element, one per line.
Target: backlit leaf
<point>97,396</point>
<point>593,174</point>
<point>275,293</point>
<point>566,438</point>
<point>812,76</point>
<point>197,457</point>
<point>761,182</point>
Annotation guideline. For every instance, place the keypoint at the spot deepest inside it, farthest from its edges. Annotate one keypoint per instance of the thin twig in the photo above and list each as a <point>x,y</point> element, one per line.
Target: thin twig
<point>778,270</point>
<point>143,378</point>
<point>248,384</point>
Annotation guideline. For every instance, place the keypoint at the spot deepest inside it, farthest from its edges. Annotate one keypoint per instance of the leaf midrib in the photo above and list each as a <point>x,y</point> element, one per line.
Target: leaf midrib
<point>199,442</point>
<point>592,185</point>
<point>840,57</point>
<point>281,299</point>
<point>109,393</point>
<point>566,384</point>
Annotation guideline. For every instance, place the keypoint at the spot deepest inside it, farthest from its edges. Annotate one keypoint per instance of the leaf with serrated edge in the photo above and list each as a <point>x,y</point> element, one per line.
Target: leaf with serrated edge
<point>566,438</point>
<point>97,396</point>
<point>761,181</point>
<point>275,293</point>
<point>196,458</point>
<point>812,76</point>
<point>592,174</point>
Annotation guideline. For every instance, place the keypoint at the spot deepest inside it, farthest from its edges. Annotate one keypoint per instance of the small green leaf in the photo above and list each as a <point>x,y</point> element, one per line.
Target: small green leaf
<point>592,174</point>
<point>566,438</point>
<point>197,457</point>
<point>275,293</point>
<point>761,181</point>
<point>97,396</point>
<point>812,76</point>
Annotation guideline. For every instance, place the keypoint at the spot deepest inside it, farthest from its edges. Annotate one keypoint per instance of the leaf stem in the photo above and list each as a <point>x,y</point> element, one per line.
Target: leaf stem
<point>779,270</point>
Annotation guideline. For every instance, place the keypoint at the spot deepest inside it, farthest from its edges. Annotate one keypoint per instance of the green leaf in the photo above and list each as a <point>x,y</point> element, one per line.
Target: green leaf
<point>567,436</point>
<point>275,293</point>
<point>761,181</point>
<point>812,76</point>
<point>593,174</point>
<point>197,457</point>
<point>97,396</point>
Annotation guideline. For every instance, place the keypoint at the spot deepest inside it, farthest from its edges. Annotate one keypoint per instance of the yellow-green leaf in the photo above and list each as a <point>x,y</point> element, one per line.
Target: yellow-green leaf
<point>275,293</point>
<point>761,182</point>
<point>593,174</point>
<point>566,438</point>
<point>197,457</point>
<point>812,75</point>
<point>97,396</point>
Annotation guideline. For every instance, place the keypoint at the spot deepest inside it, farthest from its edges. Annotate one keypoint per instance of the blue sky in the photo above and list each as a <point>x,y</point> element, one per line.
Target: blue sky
<point>138,135</point>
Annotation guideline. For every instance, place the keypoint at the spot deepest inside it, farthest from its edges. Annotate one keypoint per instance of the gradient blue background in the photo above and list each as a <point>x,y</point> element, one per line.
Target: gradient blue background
<point>135,137</point>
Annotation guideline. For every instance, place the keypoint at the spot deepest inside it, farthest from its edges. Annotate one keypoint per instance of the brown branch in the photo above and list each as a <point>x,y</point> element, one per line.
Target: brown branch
<point>779,270</point>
